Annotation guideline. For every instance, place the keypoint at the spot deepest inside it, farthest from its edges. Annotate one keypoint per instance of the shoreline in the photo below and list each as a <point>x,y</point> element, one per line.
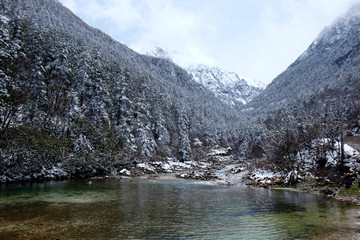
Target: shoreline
<point>225,171</point>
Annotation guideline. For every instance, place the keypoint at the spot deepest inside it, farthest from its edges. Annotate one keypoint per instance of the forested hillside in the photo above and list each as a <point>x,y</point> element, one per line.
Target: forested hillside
<point>330,63</point>
<point>75,101</point>
<point>306,112</point>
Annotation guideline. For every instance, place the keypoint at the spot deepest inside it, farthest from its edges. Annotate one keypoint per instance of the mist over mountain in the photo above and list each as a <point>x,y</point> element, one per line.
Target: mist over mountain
<point>331,63</point>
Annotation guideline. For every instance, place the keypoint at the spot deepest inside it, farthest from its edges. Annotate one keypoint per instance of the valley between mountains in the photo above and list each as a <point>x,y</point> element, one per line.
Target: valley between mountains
<point>74,103</point>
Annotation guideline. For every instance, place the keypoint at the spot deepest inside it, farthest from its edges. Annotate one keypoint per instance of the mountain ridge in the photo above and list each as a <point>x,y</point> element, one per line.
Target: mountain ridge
<point>320,66</point>
<point>226,85</point>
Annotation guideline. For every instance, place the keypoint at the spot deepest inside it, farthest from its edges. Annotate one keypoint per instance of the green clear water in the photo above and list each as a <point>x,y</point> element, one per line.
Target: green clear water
<point>169,209</point>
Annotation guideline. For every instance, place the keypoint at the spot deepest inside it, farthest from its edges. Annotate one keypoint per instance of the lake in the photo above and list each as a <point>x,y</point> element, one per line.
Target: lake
<point>169,209</point>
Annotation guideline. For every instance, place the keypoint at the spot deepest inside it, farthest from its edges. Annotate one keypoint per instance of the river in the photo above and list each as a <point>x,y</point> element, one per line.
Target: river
<point>169,209</point>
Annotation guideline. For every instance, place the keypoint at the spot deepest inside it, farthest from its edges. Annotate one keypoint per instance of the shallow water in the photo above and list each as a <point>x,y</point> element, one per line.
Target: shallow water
<point>168,209</point>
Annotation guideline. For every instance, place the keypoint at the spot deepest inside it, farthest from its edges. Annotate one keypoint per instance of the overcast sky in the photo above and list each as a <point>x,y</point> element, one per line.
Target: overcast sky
<point>257,39</point>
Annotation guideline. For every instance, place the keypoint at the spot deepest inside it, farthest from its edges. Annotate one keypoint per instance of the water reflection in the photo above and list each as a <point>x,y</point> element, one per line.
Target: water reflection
<point>166,209</point>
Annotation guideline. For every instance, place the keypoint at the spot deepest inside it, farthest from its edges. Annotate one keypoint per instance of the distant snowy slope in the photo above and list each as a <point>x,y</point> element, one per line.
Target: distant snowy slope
<point>226,85</point>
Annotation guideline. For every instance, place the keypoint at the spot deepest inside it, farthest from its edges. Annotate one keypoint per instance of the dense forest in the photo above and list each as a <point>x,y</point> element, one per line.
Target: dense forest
<point>73,98</point>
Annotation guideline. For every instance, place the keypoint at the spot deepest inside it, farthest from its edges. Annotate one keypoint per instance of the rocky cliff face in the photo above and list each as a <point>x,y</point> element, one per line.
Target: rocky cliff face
<point>74,102</point>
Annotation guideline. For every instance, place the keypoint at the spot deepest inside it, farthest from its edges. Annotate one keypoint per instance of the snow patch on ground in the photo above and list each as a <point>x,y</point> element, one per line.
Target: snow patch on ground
<point>323,154</point>
<point>146,167</point>
<point>221,151</point>
<point>263,177</point>
<point>350,150</point>
<point>125,172</point>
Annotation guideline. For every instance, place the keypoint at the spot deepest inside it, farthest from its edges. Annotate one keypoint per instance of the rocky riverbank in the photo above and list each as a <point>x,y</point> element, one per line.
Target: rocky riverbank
<point>220,166</point>
<point>325,173</point>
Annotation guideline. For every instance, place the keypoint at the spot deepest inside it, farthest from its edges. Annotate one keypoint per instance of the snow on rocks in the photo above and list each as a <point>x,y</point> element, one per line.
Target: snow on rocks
<point>220,151</point>
<point>232,174</point>
<point>217,165</point>
<point>198,175</point>
<point>316,162</point>
<point>263,178</point>
<point>146,167</point>
<point>125,172</point>
<point>168,166</point>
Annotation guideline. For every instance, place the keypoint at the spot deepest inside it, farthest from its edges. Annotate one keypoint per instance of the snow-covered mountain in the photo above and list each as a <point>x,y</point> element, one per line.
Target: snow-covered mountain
<point>226,85</point>
<point>328,69</point>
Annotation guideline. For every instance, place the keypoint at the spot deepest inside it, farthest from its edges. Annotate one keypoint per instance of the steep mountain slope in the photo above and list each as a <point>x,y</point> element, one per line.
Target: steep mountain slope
<point>328,68</point>
<point>307,114</point>
<point>74,100</point>
<point>226,85</point>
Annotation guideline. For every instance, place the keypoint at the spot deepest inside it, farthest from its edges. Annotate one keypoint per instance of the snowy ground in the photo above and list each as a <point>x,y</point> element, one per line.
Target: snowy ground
<point>220,167</point>
<point>307,167</point>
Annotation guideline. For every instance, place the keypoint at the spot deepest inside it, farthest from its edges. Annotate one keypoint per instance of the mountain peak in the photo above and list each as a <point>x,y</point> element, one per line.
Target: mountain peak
<point>341,28</point>
<point>226,85</point>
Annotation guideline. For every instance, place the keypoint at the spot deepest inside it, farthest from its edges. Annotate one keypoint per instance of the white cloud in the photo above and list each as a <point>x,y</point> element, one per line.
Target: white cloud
<point>284,31</point>
<point>111,16</point>
<point>168,26</point>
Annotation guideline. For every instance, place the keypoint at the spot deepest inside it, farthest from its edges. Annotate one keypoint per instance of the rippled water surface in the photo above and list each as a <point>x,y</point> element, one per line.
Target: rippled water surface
<point>169,209</point>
